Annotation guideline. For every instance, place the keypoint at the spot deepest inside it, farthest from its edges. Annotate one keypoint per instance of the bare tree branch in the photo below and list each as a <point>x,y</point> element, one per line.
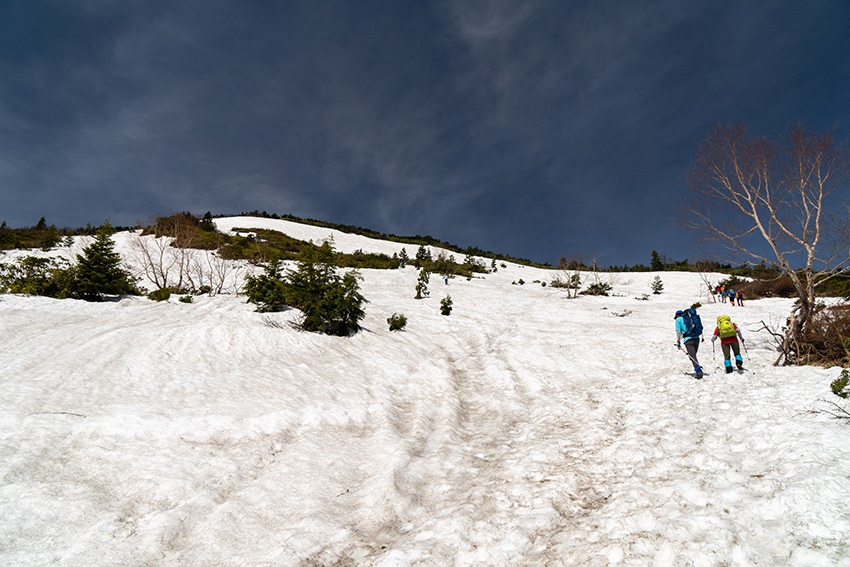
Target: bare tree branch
<point>776,202</point>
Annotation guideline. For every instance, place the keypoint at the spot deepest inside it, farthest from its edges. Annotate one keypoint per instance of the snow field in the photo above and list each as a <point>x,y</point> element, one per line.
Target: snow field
<point>524,429</point>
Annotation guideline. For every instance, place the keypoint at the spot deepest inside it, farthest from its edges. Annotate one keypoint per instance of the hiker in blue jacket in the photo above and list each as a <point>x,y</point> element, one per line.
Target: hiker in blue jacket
<point>691,342</point>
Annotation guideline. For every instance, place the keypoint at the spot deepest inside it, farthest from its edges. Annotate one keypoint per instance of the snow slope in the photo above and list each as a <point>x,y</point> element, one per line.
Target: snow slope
<point>524,429</point>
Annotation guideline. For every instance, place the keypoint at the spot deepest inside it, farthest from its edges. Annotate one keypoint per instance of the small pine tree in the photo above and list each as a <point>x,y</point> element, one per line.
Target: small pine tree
<point>446,305</point>
<point>206,224</point>
<point>331,304</point>
<point>656,285</point>
<point>403,258</point>
<point>266,291</point>
<point>98,271</point>
<point>423,256</point>
<point>422,284</point>
<point>397,322</point>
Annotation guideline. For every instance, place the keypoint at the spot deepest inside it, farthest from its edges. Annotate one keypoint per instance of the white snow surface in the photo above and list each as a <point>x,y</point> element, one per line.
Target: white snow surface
<point>523,429</point>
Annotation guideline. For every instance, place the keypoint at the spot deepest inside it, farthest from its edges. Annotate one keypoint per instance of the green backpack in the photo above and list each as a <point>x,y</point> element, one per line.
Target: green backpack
<point>725,327</point>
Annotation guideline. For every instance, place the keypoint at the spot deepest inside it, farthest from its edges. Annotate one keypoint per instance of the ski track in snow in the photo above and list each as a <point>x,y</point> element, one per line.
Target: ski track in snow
<point>524,429</point>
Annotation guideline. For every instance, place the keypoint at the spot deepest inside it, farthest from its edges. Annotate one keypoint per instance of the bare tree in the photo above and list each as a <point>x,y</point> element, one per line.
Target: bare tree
<point>153,258</point>
<point>702,268</point>
<point>166,257</point>
<point>755,200</point>
<point>213,271</point>
<point>570,276</point>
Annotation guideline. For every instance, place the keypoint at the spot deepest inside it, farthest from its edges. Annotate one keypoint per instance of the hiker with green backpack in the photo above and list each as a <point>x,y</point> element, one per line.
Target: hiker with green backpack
<point>729,334</point>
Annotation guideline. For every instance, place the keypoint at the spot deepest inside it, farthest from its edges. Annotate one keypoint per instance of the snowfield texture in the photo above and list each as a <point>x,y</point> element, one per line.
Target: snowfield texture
<point>523,429</point>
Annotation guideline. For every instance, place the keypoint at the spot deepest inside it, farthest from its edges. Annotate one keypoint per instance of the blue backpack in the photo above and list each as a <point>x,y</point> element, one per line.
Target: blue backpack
<point>693,324</point>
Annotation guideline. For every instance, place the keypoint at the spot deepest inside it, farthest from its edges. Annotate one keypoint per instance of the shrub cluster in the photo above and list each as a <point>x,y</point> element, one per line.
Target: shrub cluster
<point>330,303</point>
<point>97,273</point>
<point>160,294</point>
<point>600,288</point>
<point>826,340</point>
<point>757,289</point>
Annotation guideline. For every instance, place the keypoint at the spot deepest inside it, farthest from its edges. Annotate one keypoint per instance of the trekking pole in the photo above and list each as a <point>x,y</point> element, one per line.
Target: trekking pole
<point>691,358</point>
<point>713,356</point>
<point>746,352</point>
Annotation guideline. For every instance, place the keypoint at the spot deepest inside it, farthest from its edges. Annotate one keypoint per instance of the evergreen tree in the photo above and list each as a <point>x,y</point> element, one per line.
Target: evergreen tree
<point>331,304</point>
<point>422,284</point>
<point>267,291</point>
<point>51,239</point>
<point>207,223</point>
<point>98,271</point>
<point>446,305</point>
<point>423,256</point>
<point>656,285</point>
<point>404,259</point>
<point>656,265</point>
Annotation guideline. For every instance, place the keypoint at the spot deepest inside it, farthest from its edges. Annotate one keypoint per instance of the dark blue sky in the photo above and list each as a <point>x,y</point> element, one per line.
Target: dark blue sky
<point>538,129</point>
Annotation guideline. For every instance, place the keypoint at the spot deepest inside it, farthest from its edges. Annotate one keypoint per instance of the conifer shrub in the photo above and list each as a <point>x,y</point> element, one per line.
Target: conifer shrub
<point>397,322</point>
<point>160,294</point>
<point>267,291</point>
<point>840,385</point>
<point>446,305</point>
<point>422,284</point>
<point>50,277</point>
<point>599,288</point>
<point>423,256</point>
<point>656,286</point>
<point>186,299</point>
<point>330,303</point>
<point>98,271</point>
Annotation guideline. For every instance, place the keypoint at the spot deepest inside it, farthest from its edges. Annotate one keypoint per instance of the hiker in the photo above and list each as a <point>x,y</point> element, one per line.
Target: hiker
<point>723,293</point>
<point>729,334</point>
<point>716,292</point>
<point>690,333</point>
<point>731,294</point>
<point>740,299</point>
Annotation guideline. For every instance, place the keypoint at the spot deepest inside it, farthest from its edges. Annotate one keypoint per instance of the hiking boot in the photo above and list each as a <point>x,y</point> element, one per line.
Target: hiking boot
<point>698,371</point>
<point>740,365</point>
<point>728,370</point>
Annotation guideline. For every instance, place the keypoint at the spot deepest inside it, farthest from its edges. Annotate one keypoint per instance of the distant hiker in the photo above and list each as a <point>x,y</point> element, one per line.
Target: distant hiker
<point>689,331</point>
<point>723,293</point>
<point>716,291</point>
<point>740,299</point>
<point>731,294</point>
<point>729,334</point>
